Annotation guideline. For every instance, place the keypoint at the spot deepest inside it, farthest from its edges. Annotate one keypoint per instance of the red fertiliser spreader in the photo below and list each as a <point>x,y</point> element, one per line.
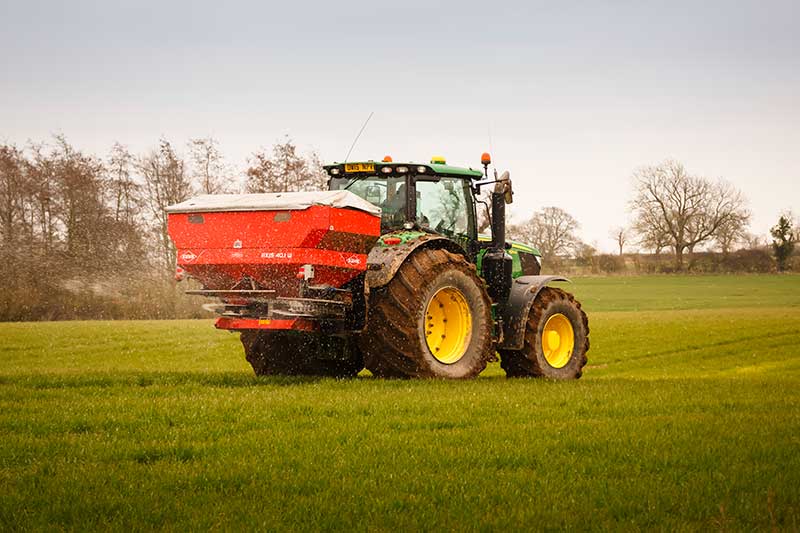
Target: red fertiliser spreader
<point>280,261</point>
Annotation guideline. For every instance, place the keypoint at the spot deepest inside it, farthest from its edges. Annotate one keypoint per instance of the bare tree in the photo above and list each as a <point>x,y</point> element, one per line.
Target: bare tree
<point>284,170</point>
<point>165,182</point>
<point>729,235</point>
<point>652,235</point>
<point>208,165</point>
<point>123,190</point>
<point>689,209</point>
<point>585,254</point>
<point>753,241</point>
<point>13,189</point>
<point>124,196</point>
<point>70,205</point>
<point>79,199</point>
<point>41,170</point>
<point>620,235</point>
<point>552,230</point>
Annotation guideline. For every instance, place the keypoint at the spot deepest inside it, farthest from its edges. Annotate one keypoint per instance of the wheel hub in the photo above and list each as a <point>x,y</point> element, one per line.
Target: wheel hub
<point>558,340</point>
<point>448,325</point>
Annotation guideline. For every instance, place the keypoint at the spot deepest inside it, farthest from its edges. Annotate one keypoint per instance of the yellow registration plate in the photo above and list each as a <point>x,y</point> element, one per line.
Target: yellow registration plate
<point>359,167</point>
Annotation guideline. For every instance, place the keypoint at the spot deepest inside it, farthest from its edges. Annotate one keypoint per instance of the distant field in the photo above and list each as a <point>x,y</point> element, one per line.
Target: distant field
<point>642,293</point>
<point>687,418</point>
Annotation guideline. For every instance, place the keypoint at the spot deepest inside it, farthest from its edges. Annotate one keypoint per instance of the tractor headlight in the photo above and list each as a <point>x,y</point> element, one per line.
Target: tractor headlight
<point>335,171</point>
<point>401,170</point>
<point>421,170</point>
<point>386,170</point>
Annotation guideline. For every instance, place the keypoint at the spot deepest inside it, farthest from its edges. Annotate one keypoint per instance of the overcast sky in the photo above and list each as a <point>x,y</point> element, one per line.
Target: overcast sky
<point>576,95</point>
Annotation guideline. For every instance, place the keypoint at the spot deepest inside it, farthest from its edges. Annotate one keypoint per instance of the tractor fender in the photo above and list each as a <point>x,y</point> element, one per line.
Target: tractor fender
<point>515,312</point>
<point>383,262</point>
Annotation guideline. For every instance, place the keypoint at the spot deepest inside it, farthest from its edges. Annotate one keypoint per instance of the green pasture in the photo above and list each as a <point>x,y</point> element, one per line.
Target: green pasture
<point>687,418</point>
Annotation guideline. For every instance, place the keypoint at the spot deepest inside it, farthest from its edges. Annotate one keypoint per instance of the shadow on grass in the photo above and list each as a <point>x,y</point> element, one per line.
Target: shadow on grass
<point>206,379</point>
<point>244,380</point>
<point>154,379</point>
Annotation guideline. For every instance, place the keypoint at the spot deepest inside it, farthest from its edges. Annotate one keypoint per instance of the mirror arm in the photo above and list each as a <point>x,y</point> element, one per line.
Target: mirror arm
<point>476,185</point>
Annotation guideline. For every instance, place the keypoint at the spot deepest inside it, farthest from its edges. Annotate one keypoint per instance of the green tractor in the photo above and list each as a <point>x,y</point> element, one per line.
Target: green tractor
<point>446,299</point>
<point>433,298</point>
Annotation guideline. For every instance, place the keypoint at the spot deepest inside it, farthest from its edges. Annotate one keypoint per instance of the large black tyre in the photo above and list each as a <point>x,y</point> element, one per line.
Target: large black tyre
<point>532,361</point>
<point>407,329</point>
<point>263,351</point>
<point>301,354</point>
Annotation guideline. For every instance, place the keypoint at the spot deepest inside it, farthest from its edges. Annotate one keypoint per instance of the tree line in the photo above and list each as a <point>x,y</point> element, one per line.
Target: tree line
<point>672,211</point>
<point>83,236</point>
<point>86,237</point>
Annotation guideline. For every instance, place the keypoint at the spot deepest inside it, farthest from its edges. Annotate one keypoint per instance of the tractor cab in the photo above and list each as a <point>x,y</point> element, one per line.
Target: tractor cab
<point>434,197</point>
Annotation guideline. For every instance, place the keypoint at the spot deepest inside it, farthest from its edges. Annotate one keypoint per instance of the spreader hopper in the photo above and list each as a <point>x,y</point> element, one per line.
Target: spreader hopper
<point>275,258</point>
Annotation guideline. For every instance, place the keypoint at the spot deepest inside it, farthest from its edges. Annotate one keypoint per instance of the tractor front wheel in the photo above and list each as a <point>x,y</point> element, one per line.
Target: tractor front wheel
<point>556,339</point>
<point>432,320</point>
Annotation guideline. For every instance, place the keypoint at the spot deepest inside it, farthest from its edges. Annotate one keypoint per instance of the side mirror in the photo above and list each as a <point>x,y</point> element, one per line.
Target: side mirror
<point>503,186</point>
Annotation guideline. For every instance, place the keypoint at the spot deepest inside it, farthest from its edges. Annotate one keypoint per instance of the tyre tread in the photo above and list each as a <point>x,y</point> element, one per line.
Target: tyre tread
<point>389,341</point>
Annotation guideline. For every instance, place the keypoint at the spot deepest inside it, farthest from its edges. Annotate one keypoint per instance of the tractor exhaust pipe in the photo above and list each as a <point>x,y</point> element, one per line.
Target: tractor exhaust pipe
<point>497,264</point>
<point>499,215</point>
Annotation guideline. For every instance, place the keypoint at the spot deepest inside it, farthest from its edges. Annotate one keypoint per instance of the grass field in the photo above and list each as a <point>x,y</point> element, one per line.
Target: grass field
<point>687,418</point>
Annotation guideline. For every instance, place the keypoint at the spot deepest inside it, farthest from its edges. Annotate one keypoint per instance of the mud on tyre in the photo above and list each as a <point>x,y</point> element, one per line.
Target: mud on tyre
<point>432,320</point>
<point>301,354</point>
<point>556,339</point>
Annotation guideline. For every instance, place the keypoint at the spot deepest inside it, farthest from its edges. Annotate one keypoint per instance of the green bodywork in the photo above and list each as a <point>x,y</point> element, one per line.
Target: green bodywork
<point>405,237</point>
<point>516,246</point>
<point>515,249</point>
<point>447,170</point>
<point>432,169</point>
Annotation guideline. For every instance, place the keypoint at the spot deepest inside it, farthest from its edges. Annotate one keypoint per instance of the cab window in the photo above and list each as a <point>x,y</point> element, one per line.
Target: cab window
<point>444,206</point>
<point>388,193</point>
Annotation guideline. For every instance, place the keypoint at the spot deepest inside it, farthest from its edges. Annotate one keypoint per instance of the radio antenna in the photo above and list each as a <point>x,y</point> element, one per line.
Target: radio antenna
<point>357,136</point>
<point>491,150</point>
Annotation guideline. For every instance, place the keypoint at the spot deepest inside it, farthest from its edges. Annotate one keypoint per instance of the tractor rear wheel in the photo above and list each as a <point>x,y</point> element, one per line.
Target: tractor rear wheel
<point>556,339</point>
<point>432,320</point>
<point>301,354</point>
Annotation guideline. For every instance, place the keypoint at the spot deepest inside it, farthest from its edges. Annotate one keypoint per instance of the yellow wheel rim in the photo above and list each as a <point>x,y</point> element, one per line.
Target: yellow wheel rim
<point>448,325</point>
<point>558,340</point>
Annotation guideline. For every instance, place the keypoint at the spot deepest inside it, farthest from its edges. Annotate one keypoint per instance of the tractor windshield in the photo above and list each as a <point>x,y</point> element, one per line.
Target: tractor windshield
<point>443,204</point>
